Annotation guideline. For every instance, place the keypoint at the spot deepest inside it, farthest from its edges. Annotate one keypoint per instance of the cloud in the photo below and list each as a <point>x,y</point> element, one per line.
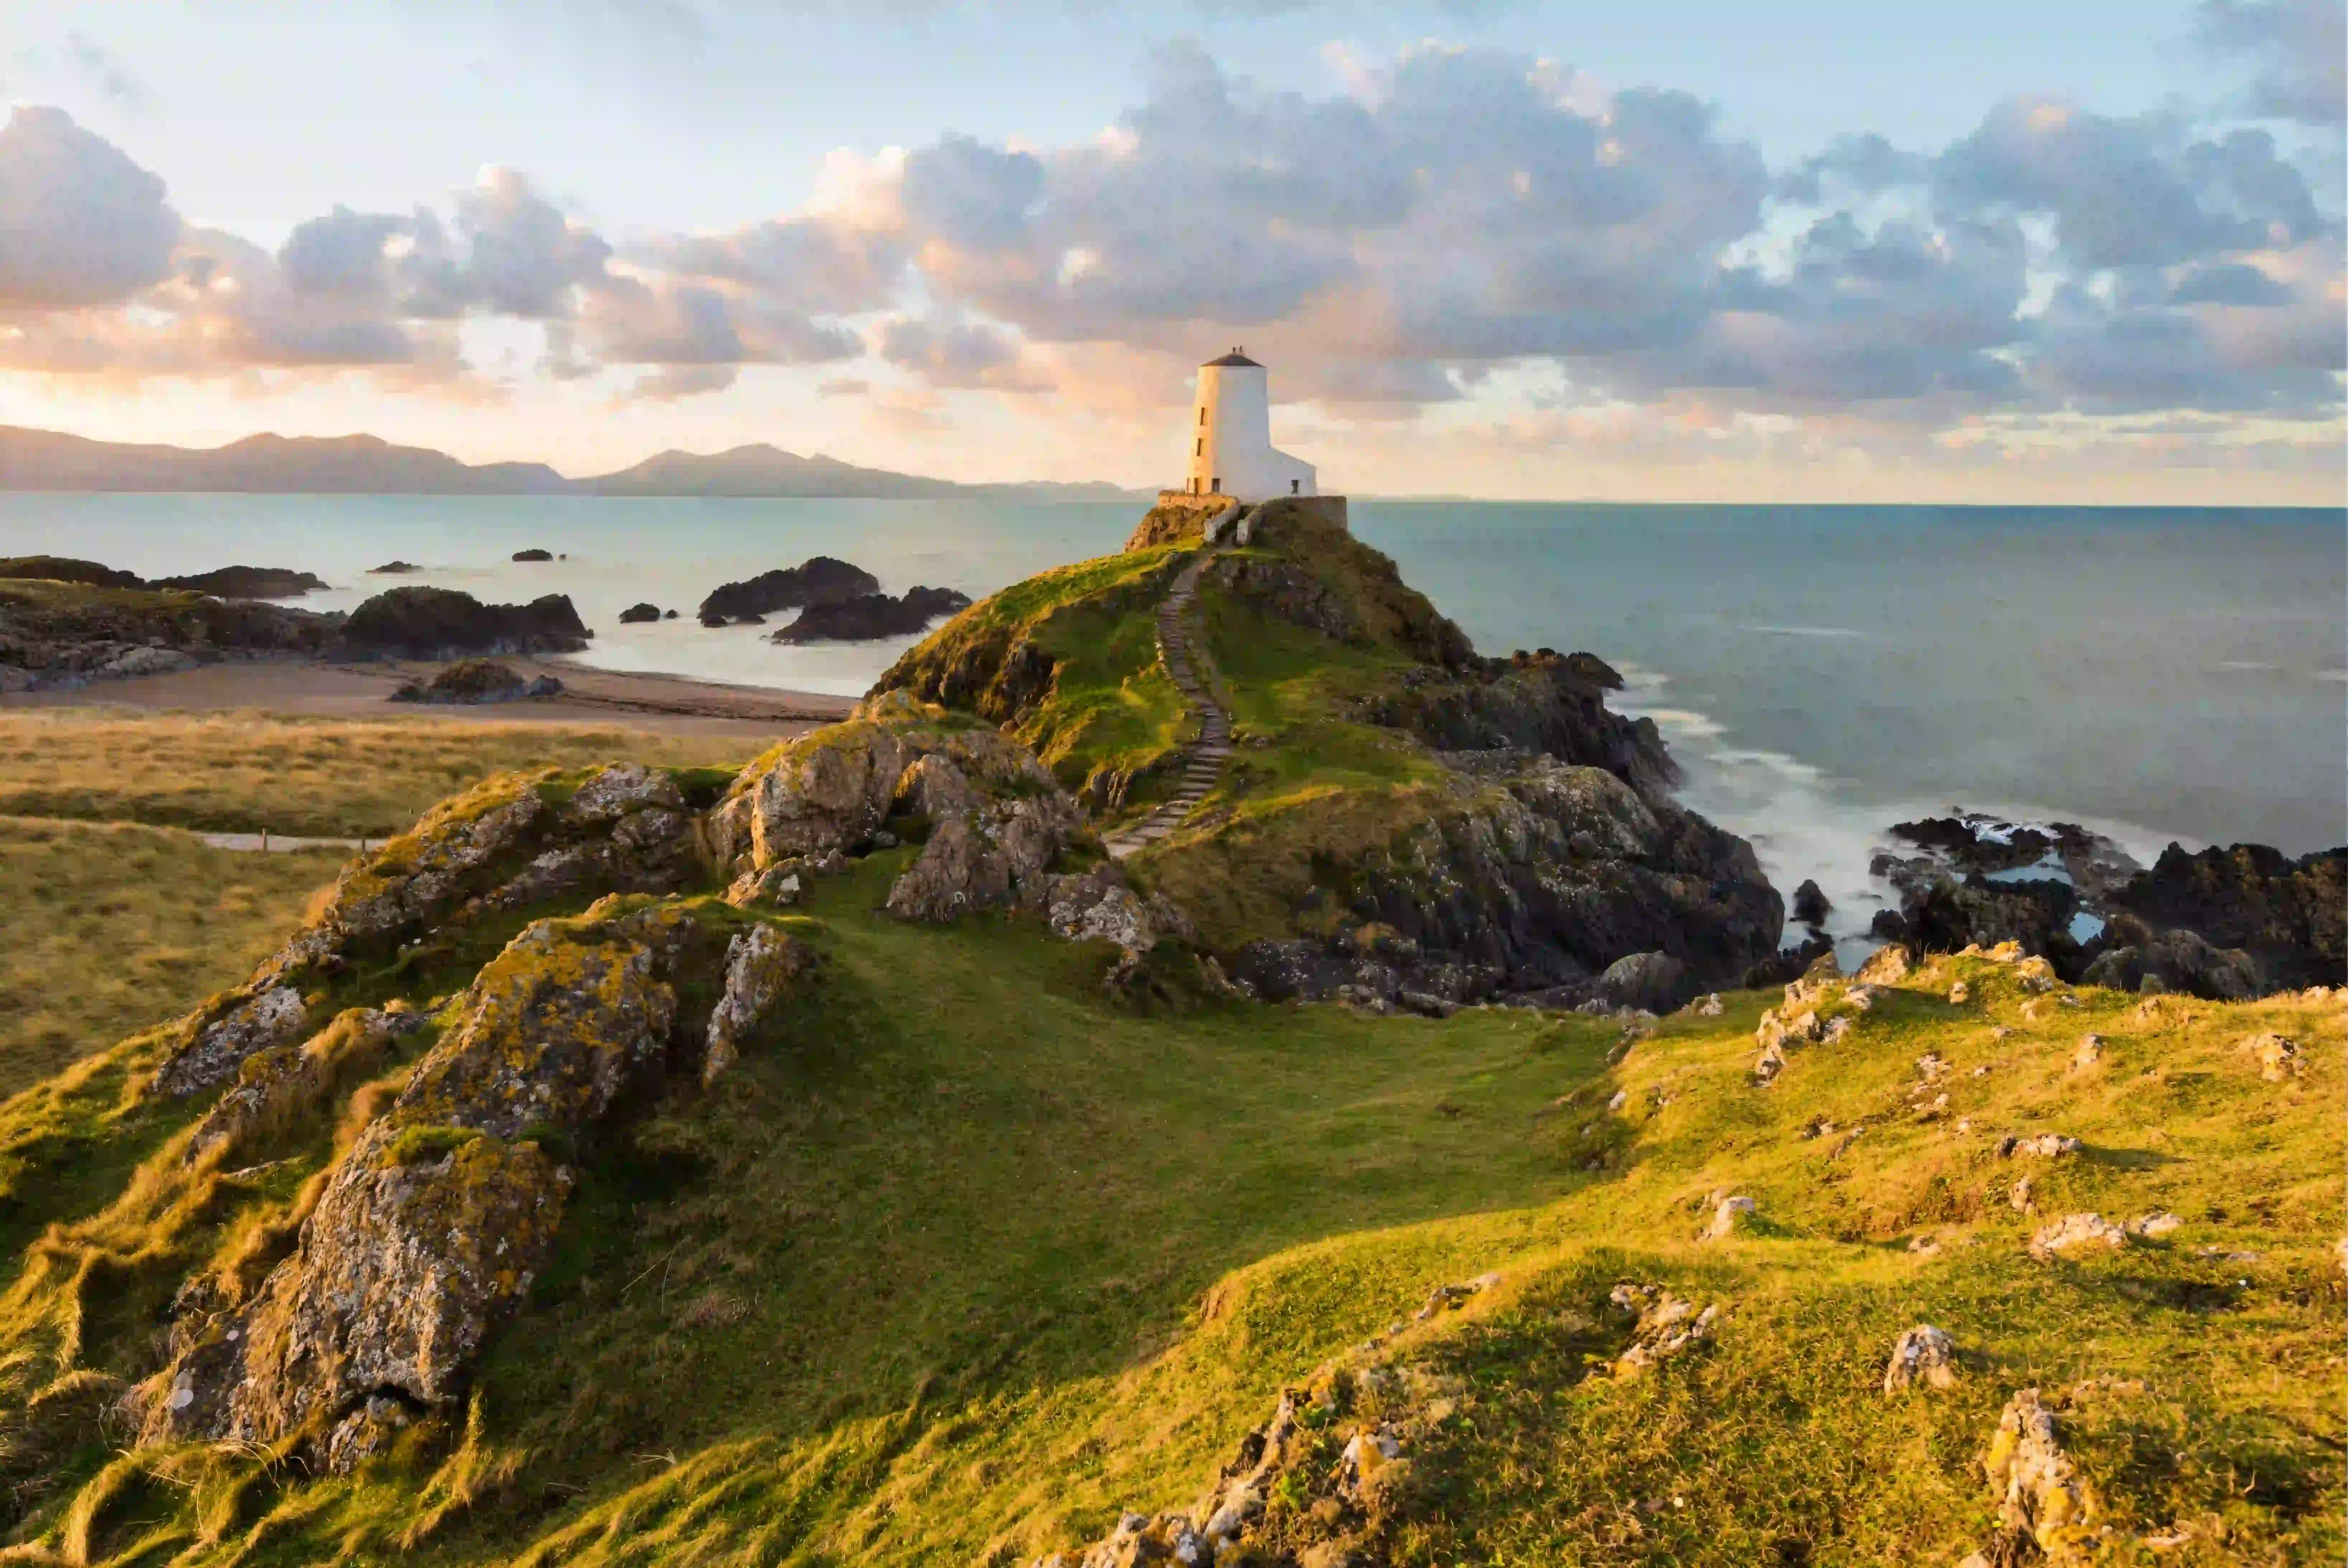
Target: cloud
<point>103,70</point>
<point>2297,49</point>
<point>948,353</point>
<point>525,257</point>
<point>80,224</point>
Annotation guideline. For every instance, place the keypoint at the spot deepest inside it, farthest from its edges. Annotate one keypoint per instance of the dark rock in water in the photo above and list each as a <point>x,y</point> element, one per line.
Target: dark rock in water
<point>2291,916</point>
<point>817,580</point>
<point>248,582</point>
<point>441,623</point>
<point>1811,905</point>
<point>1979,843</point>
<point>668,615</point>
<point>635,614</point>
<point>873,615</point>
<point>1947,914</point>
<point>749,620</point>
<point>713,621</point>
<point>65,568</point>
<point>533,555</point>
<point>393,568</point>
<point>1888,926</point>
<point>479,681</point>
<point>1787,965</point>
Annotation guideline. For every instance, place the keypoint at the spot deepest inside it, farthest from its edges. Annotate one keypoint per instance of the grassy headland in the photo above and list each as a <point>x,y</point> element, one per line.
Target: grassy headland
<point>971,1252</point>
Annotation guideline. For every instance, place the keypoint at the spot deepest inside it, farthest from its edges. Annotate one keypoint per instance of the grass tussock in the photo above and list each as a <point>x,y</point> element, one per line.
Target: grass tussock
<point>241,772</point>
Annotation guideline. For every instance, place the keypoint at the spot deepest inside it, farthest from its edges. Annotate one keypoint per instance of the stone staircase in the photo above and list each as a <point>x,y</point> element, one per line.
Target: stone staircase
<point>1203,758</point>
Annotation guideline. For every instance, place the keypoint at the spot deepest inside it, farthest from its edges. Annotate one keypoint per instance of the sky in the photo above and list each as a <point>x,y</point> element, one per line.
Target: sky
<point>2067,251</point>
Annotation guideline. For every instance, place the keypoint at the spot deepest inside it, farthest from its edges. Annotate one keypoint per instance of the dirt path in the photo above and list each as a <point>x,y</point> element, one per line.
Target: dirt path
<point>1203,758</point>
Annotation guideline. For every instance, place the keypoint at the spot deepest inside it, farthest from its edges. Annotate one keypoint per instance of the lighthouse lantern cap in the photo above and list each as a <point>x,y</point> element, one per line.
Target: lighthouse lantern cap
<point>1234,357</point>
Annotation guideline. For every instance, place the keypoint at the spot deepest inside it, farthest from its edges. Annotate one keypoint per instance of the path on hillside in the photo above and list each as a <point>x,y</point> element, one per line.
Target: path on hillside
<point>1202,761</point>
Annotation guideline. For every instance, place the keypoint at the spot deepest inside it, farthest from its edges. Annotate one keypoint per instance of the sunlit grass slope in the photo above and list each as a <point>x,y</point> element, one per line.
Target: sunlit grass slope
<point>106,927</point>
<point>322,777</point>
<point>966,1259</point>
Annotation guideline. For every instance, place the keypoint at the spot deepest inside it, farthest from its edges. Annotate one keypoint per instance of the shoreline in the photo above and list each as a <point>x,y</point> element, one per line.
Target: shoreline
<point>668,703</point>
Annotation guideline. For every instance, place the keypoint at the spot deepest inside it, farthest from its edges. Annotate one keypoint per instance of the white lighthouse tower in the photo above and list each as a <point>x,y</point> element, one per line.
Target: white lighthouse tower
<point>1231,452</point>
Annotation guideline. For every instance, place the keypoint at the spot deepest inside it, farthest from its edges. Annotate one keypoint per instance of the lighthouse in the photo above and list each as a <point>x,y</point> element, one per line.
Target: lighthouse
<point>1231,452</point>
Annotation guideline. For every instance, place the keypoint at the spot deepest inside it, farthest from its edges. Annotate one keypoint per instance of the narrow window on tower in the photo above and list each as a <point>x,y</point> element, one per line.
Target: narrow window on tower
<point>1200,450</point>
<point>1202,413</point>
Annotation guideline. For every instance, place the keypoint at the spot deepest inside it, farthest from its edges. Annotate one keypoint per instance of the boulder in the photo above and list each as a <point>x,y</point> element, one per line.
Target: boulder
<point>635,614</point>
<point>1729,1216</point>
<point>473,681</point>
<point>533,555</point>
<point>1668,1325</point>
<point>1656,982</point>
<point>1922,1355</point>
<point>2046,1507</point>
<point>2076,1233</point>
<point>818,581</point>
<point>760,965</point>
<point>442,624</point>
<point>1811,905</point>
<point>393,569</point>
<point>272,1017</point>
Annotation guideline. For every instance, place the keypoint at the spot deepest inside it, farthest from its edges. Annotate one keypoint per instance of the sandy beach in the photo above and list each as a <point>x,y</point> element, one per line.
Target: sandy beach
<point>667,705</point>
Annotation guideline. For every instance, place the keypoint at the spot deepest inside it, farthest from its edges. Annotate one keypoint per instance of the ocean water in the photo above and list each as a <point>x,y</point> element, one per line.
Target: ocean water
<point>1820,672</point>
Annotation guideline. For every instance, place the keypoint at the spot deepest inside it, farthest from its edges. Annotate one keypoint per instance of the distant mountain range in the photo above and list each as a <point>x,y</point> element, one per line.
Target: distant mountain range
<point>368,465</point>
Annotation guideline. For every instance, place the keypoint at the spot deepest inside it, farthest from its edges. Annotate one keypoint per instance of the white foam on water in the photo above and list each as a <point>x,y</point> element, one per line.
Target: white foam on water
<point>1803,631</point>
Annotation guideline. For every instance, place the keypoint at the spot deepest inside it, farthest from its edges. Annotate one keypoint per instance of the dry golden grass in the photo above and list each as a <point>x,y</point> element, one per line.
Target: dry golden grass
<point>326,778</point>
<point>106,928</point>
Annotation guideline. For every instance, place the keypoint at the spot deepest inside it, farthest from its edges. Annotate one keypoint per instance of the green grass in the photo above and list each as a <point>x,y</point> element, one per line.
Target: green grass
<point>106,927</point>
<point>955,1271</point>
<point>322,778</point>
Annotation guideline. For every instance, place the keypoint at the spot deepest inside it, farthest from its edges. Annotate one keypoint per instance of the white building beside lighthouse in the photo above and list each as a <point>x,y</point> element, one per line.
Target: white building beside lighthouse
<point>1231,452</point>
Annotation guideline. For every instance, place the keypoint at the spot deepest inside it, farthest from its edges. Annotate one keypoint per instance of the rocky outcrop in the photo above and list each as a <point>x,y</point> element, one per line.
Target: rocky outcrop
<point>636,614</point>
<point>1537,702</point>
<point>473,681</point>
<point>505,844</point>
<point>2289,916</point>
<point>443,623</point>
<point>869,617</point>
<point>393,568</point>
<point>533,555</point>
<point>992,819</point>
<point>1537,881</point>
<point>57,634</point>
<point>430,1228</point>
<point>2045,1508</point>
<point>820,579</point>
<point>248,582</point>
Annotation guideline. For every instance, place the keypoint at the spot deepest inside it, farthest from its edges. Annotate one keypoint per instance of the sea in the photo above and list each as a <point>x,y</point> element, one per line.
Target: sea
<point>1819,672</point>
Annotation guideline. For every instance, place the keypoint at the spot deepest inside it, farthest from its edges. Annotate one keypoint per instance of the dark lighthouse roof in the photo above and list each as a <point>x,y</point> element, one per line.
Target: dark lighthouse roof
<point>1233,358</point>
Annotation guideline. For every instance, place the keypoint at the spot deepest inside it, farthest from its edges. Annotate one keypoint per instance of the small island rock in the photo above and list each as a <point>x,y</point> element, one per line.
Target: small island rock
<point>635,614</point>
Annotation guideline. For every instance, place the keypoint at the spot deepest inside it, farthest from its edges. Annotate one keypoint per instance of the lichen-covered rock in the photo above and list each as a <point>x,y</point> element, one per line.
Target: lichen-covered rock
<point>1887,965</point>
<point>273,1018</point>
<point>1729,1216</point>
<point>2044,1502</point>
<point>1099,905</point>
<point>277,1085</point>
<point>2042,1146</point>
<point>1668,1325</point>
<point>431,1226</point>
<point>2277,1055</point>
<point>1656,982</point>
<point>2075,1234</point>
<point>1922,1355</point>
<point>760,964</point>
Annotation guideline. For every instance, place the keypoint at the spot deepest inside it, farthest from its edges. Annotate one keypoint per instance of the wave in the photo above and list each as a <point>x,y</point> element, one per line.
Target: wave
<point>1803,631</point>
